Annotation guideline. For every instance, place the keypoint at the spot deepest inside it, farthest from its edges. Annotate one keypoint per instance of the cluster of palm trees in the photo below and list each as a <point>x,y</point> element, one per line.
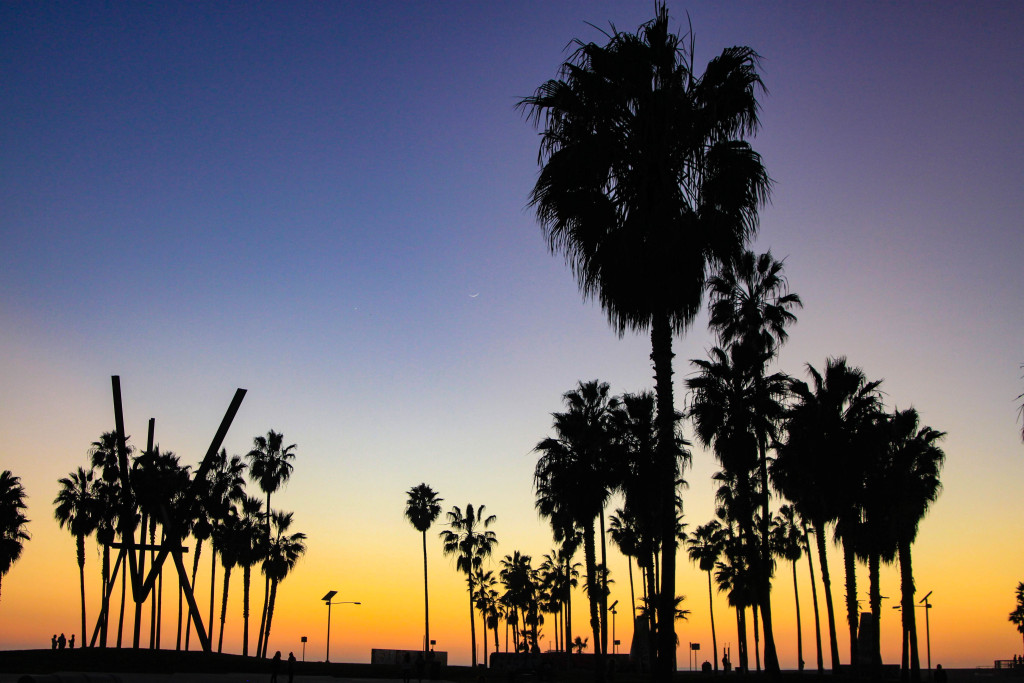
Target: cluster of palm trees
<point>650,190</point>
<point>13,522</point>
<point>1017,615</point>
<point>159,497</point>
<point>529,592</point>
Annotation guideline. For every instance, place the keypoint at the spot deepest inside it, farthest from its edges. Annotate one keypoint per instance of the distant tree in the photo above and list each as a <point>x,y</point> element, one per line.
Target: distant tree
<point>13,522</point>
<point>228,538</point>
<point>1017,615</point>
<point>787,542</point>
<point>250,552</point>
<point>422,508</point>
<point>269,466</point>
<point>285,551</point>
<point>705,547</point>
<point>470,541</point>
<point>76,510</point>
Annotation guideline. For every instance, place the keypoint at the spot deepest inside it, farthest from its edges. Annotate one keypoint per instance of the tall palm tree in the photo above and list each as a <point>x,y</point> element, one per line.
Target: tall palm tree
<point>622,529</point>
<point>422,509</point>
<point>646,184</point>
<point>269,466</point>
<point>916,460</point>
<point>706,545</point>
<point>285,551</point>
<point>788,540</point>
<point>486,597</point>
<point>77,511</point>
<point>228,539</point>
<point>13,522</point>
<point>470,541</point>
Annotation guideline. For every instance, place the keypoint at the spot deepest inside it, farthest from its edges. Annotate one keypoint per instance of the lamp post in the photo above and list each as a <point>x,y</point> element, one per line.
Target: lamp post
<point>927,629</point>
<point>327,599</point>
<point>615,643</point>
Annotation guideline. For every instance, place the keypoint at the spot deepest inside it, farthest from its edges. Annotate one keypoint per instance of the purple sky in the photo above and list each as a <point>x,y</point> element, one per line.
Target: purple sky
<point>300,199</point>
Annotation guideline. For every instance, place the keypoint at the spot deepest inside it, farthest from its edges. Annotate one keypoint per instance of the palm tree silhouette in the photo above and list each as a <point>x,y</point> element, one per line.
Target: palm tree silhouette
<point>915,462</point>
<point>572,478</point>
<point>816,466</point>
<point>470,541</point>
<point>103,454</point>
<point>788,540</point>
<point>250,552</point>
<point>13,522</point>
<point>422,509</point>
<point>624,532</point>
<point>284,553</point>
<point>646,183</point>
<point>706,545</point>
<point>227,538</point>
<point>1017,615</point>
<point>77,511</point>
<point>269,467</point>
<point>486,597</point>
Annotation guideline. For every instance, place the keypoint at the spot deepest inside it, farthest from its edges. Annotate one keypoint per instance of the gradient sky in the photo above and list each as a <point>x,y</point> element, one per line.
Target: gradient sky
<point>303,200</point>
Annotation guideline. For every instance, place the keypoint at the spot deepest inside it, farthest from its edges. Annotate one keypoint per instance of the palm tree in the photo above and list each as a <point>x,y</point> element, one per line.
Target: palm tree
<point>270,467</point>
<point>13,522</point>
<point>250,552</point>
<point>470,541</point>
<point>77,511</point>
<point>915,463</point>
<point>624,532</point>
<point>573,481</point>
<point>422,509</point>
<point>706,545</point>
<point>1017,615</point>
<point>228,539</point>
<point>285,551</point>
<point>486,597</point>
<point>646,184</point>
<point>788,540</point>
<point>818,468</point>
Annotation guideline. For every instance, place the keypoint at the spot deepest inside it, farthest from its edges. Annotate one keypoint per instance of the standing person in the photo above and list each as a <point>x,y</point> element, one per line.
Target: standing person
<point>61,642</point>
<point>71,643</point>
<point>53,642</point>
<point>275,666</point>
<point>291,667</point>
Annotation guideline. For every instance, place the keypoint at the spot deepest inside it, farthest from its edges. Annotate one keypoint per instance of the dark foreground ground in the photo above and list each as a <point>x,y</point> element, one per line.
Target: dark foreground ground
<point>168,666</point>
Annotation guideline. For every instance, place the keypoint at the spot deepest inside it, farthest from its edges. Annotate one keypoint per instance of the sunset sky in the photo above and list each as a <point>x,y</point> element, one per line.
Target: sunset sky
<point>326,204</point>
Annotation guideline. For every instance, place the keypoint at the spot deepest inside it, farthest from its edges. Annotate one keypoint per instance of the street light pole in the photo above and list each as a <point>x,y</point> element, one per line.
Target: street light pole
<point>927,629</point>
<point>327,599</point>
<point>615,643</point>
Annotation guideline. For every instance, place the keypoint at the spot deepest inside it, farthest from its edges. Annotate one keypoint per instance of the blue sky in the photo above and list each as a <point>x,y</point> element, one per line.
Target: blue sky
<point>300,199</point>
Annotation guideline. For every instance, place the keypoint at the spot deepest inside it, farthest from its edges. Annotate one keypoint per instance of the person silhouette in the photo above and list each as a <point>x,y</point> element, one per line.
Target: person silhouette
<point>291,667</point>
<point>275,665</point>
<point>940,674</point>
<point>61,642</point>
<point>53,642</point>
<point>71,643</point>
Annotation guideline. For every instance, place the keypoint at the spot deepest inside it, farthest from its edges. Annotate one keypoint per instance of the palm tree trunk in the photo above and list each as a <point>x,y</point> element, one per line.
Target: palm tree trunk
<point>153,594</point>
<point>661,356</point>
<point>819,533</point>
<point>741,628</point>
<point>632,591</point>
<point>472,621</point>
<point>592,588</point>
<point>604,585</point>
<point>80,551</point>
<point>711,611</point>
<point>757,638</point>
<point>771,658</point>
<point>907,589</point>
<point>195,570</point>
<point>568,605</point>
<point>799,629</point>
<point>483,634</point>
<point>246,579</point>
<point>181,592</point>
<point>124,590</point>
<point>875,598</point>
<point>106,596</point>
<point>849,563</point>
<point>270,616</point>
<point>137,633</point>
<point>223,607</point>
<point>213,587</point>
<point>261,641</point>
<point>426,601</point>
<point>814,600</point>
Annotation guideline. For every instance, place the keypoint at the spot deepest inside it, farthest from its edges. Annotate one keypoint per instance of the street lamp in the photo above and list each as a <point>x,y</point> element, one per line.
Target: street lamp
<point>927,629</point>
<point>615,643</point>
<point>327,599</point>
